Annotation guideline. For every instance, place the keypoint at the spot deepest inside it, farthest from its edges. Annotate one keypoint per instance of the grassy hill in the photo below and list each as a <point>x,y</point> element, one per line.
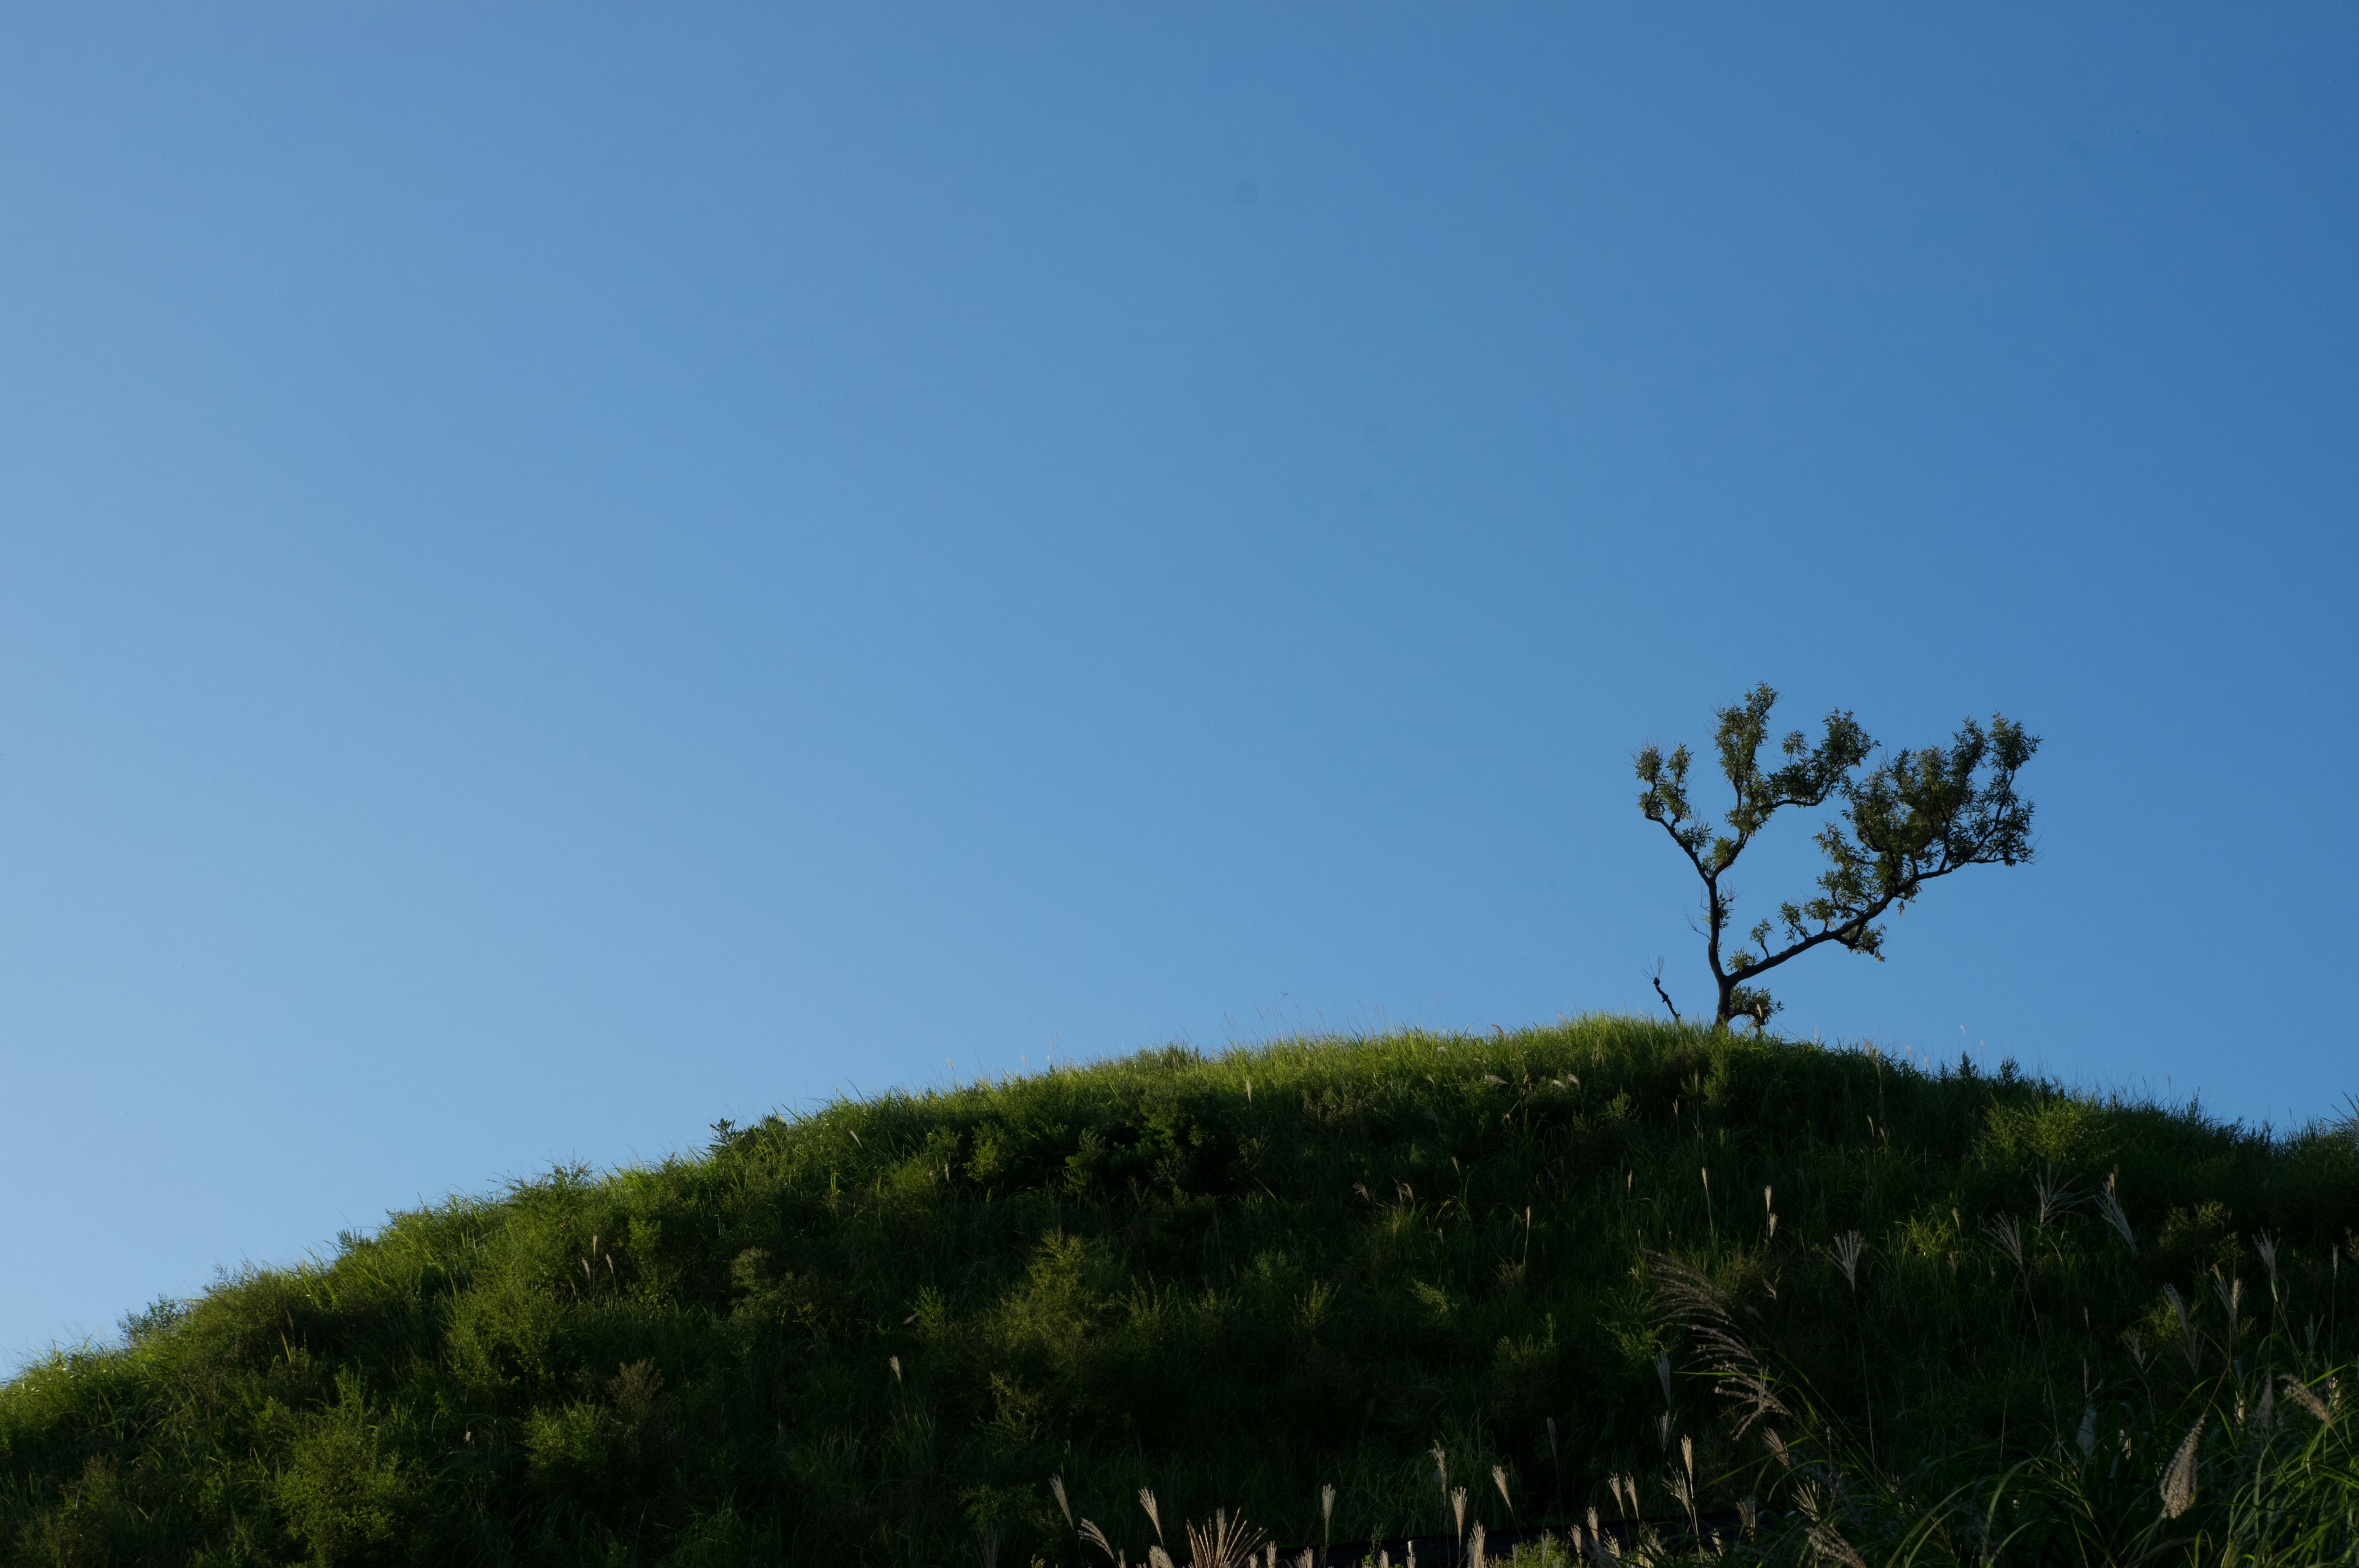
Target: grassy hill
<point>873,1333</point>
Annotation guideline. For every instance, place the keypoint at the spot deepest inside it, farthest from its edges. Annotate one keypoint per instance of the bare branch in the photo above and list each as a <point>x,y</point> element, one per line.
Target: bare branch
<point>1658,978</point>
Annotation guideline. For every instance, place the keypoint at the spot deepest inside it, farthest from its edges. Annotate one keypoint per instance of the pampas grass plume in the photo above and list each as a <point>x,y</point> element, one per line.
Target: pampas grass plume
<point>2179,1480</point>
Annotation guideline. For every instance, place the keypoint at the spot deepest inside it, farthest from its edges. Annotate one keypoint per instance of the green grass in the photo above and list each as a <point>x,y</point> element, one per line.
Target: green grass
<point>1233,1279</point>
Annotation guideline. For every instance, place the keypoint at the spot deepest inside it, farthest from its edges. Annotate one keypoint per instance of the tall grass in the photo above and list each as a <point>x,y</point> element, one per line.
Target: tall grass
<point>874,1332</point>
<point>2251,1461</point>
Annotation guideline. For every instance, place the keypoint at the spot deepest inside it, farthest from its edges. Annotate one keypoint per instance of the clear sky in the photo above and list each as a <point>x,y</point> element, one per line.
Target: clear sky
<point>569,571</point>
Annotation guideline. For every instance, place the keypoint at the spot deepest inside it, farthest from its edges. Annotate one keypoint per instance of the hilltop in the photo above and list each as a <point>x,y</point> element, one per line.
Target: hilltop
<point>868,1333</point>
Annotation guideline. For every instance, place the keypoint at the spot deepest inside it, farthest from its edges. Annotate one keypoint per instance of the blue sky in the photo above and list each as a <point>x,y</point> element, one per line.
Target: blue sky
<point>570,572</point>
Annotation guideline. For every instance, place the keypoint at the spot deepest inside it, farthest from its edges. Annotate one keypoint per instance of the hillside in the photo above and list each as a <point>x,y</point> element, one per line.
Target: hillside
<point>867,1334</point>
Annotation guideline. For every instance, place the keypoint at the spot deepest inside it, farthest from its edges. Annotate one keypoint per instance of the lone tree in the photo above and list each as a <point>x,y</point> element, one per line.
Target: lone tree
<point>1904,822</point>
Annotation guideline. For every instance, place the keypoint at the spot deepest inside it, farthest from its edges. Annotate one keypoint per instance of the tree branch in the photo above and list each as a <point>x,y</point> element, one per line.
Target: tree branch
<point>1658,978</point>
<point>1849,928</point>
<point>1685,849</point>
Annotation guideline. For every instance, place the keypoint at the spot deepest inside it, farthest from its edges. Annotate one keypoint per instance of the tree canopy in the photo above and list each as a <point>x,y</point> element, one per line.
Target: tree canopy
<point>1914,817</point>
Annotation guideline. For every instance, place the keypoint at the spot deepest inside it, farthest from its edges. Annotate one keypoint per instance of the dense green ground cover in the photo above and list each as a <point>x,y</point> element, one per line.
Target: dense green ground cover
<point>866,1334</point>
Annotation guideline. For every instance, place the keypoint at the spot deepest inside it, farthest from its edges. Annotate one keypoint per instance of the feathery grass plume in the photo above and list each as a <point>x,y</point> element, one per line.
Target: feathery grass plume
<point>1159,1558</point>
<point>2188,1339</point>
<point>986,1544</point>
<point>1499,1479</point>
<point>1748,1514</point>
<point>1474,1556</point>
<point>2178,1479</point>
<point>1057,1489</point>
<point>1154,1514</point>
<point>1326,1515</point>
<point>1769,1208</point>
<point>1307,1559</point>
<point>2305,1396</point>
<point>2057,1196</point>
<point>1222,1541</point>
<point>1846,1250</point>
<point>1442,1478</point>
<point>2109,1209</point>
<point>1681,1488</point>
<point>2264,1248</point>
<point>1458,1510</point>
<point>1826,1543</point>
<point>1686,1298</point>
<point>1088,1531</point>
<point>2006,1235</point>
<point>895,1362</point>
<point>2231,1292</point>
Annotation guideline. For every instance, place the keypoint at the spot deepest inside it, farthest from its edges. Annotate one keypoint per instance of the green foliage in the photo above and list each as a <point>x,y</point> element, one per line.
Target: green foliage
<point>1910,819</point>
<point>874,1334</point>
